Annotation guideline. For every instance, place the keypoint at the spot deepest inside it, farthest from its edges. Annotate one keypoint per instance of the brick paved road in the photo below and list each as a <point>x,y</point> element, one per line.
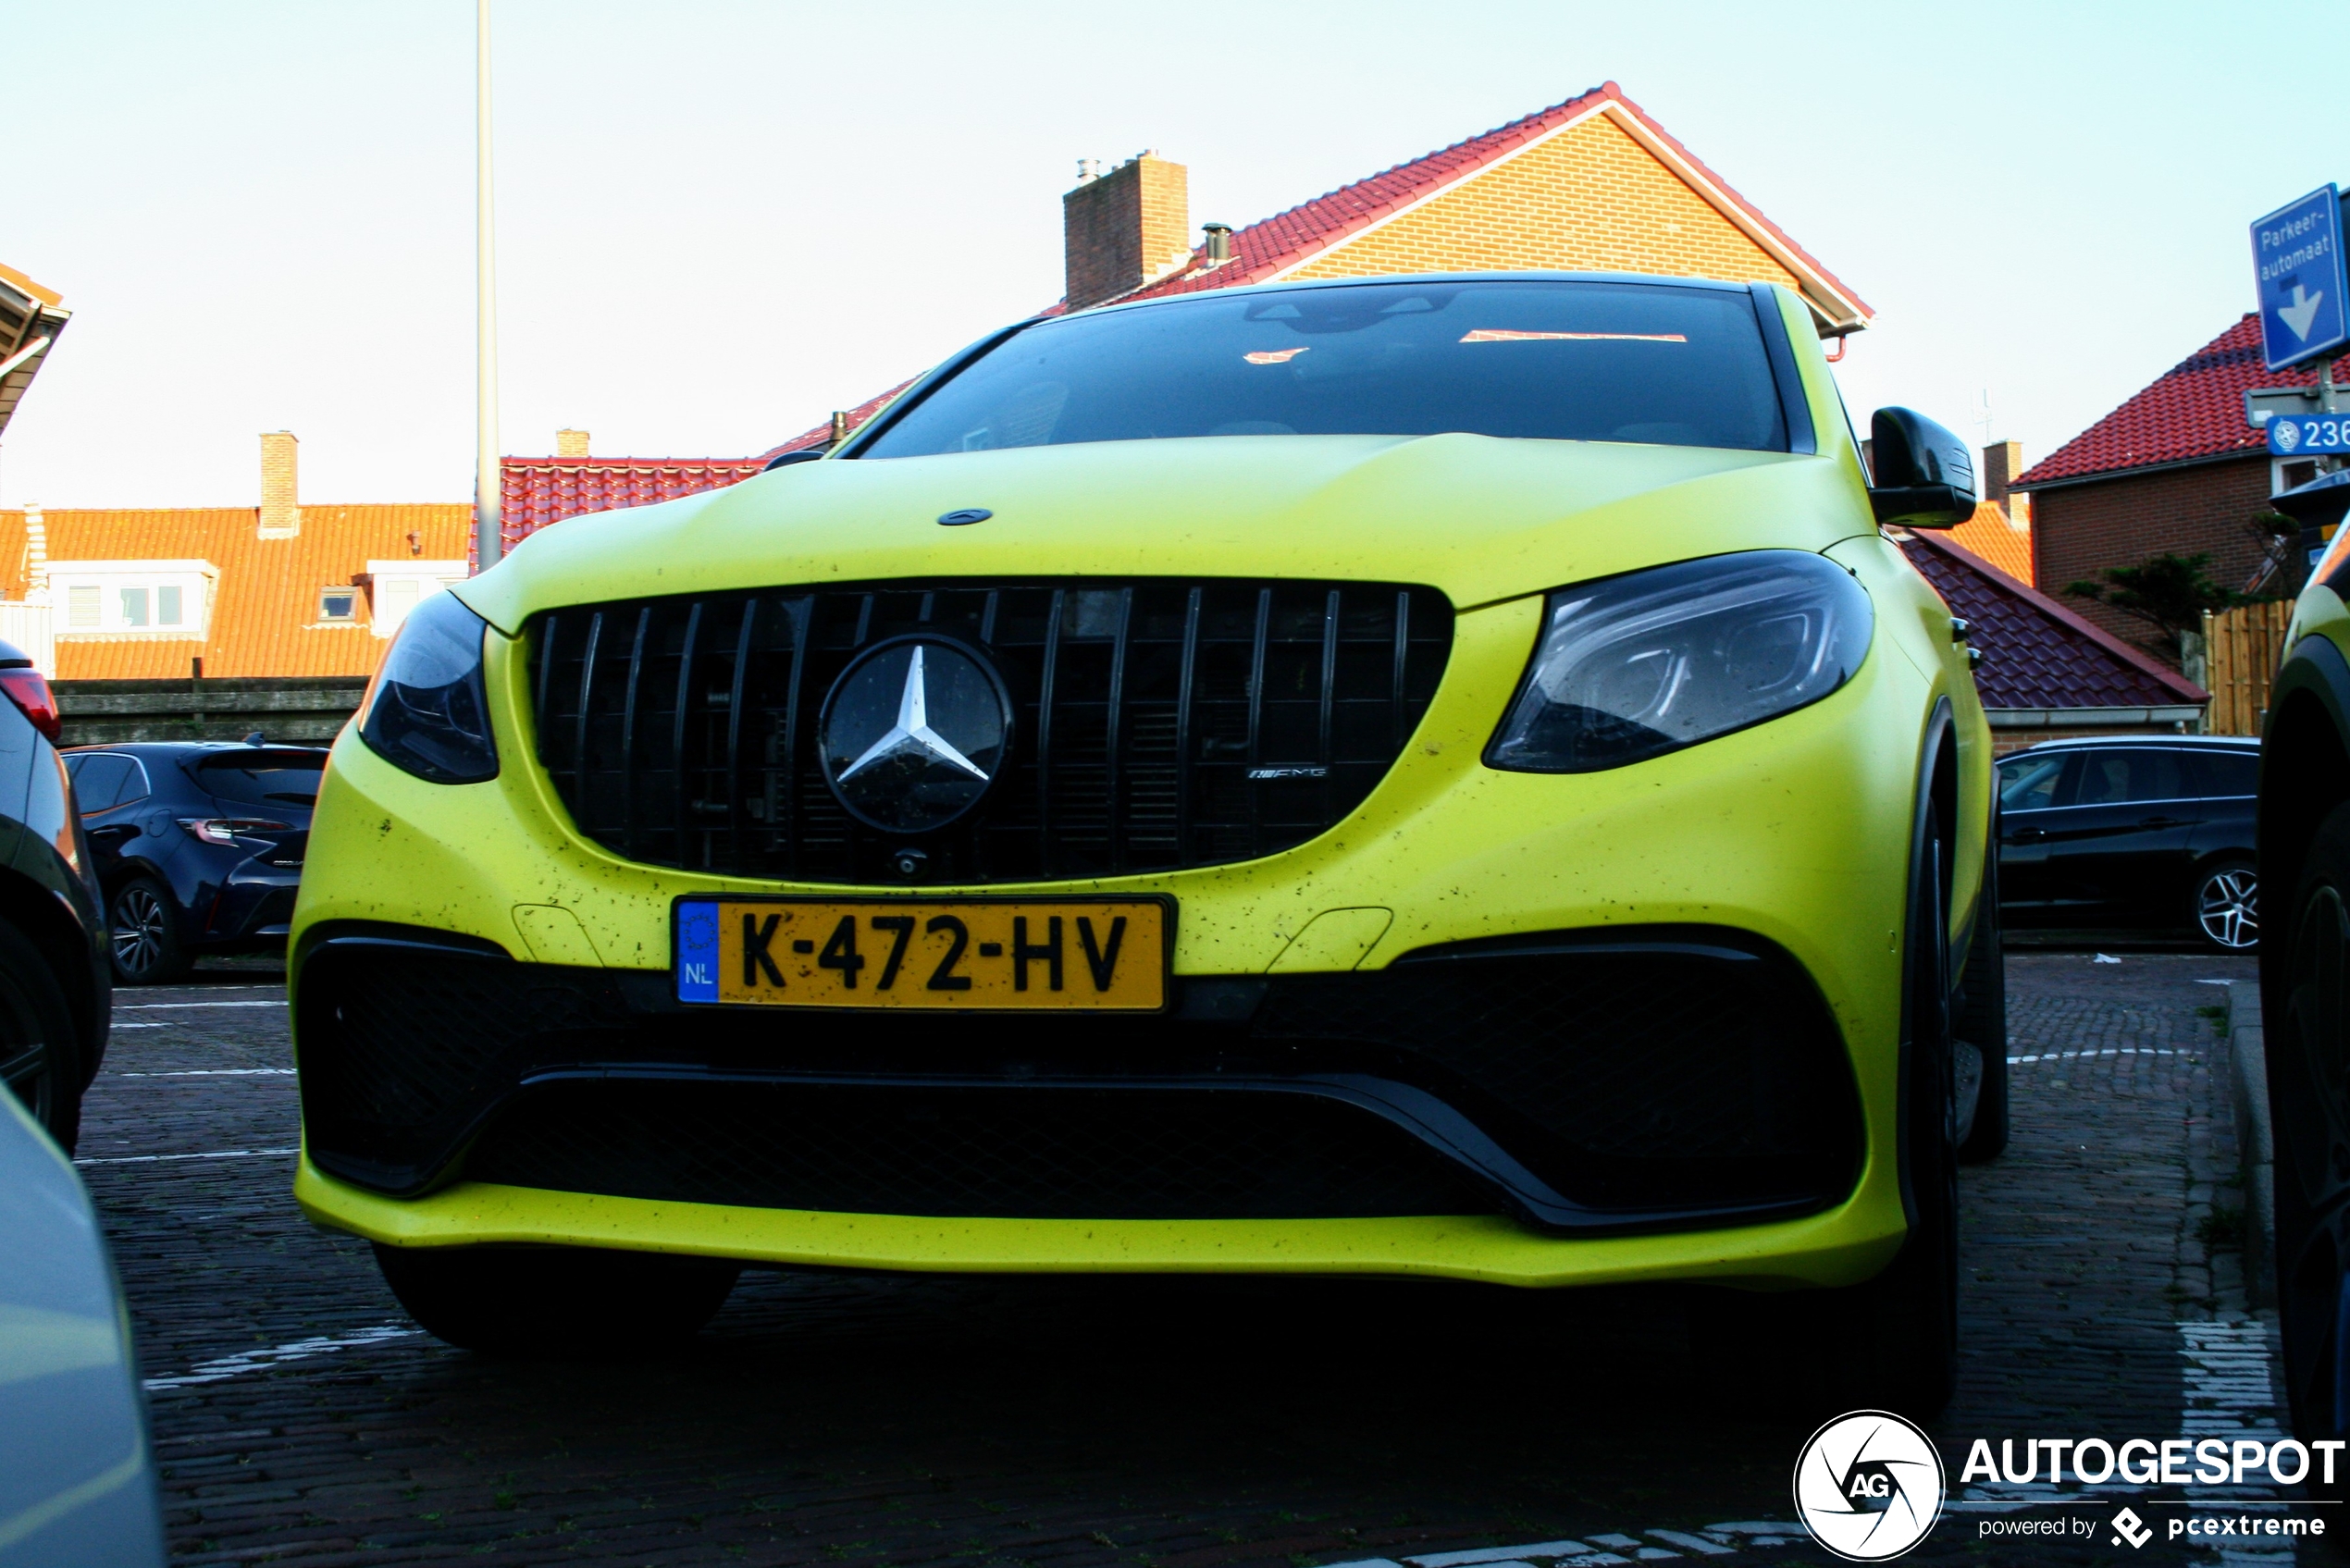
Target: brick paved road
<point>299,1417</point>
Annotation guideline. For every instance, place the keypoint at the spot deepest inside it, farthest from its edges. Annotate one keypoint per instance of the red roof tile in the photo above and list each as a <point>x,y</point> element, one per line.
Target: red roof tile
<point>2038,654</point>
<point>535,492</point>
<point>1264,250</point>
<point>264,619</point>
<point>2194,412</point>
<point>1990,535</point>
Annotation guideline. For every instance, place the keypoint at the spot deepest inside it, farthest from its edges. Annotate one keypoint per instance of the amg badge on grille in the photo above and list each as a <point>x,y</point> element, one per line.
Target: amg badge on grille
<point>914,732</point>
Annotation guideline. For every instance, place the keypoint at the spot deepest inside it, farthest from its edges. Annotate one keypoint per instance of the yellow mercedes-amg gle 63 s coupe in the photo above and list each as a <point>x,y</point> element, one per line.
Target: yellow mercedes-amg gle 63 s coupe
<point>1443,776</point>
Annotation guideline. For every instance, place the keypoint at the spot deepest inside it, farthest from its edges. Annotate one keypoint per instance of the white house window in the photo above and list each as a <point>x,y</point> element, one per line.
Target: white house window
<point>397,587</point>
<point>151,598</point>
<point>338,604</point>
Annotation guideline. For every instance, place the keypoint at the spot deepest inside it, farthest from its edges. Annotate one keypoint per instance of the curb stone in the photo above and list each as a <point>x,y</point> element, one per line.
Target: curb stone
<point>2256,1142</point>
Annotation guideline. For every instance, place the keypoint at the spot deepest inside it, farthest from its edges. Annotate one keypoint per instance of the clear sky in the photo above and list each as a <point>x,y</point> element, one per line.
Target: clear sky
<point>717,221</point>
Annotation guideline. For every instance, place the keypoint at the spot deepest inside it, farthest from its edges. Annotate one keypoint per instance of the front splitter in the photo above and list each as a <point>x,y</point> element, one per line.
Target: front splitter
<point>1831,1249</point>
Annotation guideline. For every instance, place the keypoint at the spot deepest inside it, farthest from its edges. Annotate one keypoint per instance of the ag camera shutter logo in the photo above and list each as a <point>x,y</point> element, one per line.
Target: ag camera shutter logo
<point>1869,1485</point>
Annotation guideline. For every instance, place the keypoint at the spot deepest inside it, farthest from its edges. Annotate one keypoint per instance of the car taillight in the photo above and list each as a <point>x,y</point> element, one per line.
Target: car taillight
<point>225,830</point>
<point>30,691</point>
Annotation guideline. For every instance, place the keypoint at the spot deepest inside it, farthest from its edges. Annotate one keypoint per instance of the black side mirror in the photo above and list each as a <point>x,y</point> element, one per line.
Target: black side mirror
<point>1925,475</point>
<point>805,454</point>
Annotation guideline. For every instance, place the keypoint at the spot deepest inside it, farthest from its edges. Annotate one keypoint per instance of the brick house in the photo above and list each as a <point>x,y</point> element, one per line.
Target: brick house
<point>2178,468</point>
<point>1590,184</point>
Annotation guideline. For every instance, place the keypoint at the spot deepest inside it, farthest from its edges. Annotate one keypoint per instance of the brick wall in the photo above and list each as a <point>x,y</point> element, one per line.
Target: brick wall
<point>280,516</point>
<point>1587,199</point>
<point>1126,229</point>
<point>2079,530</point>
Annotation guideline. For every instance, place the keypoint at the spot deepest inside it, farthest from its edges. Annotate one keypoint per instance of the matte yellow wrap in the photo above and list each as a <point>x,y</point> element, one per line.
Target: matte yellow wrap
<point>1798,830</point>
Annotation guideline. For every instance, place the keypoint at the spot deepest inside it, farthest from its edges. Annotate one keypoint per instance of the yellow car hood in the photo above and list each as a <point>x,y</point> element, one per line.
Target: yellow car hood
<point>1480,518</point>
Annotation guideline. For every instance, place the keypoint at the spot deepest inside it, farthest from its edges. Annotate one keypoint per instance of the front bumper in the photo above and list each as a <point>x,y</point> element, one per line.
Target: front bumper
<point>1791,837</point>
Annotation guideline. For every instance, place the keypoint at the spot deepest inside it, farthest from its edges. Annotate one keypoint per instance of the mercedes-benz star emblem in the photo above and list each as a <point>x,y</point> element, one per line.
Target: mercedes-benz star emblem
<point>913,733</point>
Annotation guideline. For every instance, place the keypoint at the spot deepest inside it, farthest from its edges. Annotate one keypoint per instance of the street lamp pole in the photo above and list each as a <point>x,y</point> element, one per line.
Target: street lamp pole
<point>487,537</point>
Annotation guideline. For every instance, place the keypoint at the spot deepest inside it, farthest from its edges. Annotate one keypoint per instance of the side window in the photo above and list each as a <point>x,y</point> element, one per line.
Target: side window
<point>99,784</point>
<point>2029,783</point>
<point>135,787</point>
<point>2230,772</point>
<point>2123,777</point>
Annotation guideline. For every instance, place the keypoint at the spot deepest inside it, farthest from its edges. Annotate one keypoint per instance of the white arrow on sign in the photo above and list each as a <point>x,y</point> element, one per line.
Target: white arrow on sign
<point>2302,311</point>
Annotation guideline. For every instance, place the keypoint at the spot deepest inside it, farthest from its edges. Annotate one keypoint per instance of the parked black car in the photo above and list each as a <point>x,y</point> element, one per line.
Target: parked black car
<point>56,989</point>
<point>2133,831</point>
<point>198,845</point>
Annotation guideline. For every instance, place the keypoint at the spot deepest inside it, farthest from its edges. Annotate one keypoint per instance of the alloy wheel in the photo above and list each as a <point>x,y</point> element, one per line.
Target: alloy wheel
<point>2227,905</point>
<point>139,928</point>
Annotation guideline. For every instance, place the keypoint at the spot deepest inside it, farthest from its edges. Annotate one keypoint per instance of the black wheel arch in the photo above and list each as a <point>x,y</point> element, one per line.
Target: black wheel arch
<point>1938,789</point>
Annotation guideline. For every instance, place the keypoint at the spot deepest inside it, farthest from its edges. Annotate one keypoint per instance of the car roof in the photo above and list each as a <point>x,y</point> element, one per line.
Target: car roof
<point>189,747</point>
<point>2076,743</point>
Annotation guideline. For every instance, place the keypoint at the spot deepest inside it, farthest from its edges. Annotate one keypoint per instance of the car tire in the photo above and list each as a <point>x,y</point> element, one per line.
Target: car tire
<point>2226,905</point>
<point>145,935</point>
<point>39,1050</point>
<point>2308,1048</point>
<point>559,1303</point>
<point>1983,1018</point>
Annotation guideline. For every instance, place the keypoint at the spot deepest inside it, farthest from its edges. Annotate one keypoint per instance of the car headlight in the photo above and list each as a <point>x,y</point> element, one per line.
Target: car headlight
<point>1632,667</point>
<point>429,711</point>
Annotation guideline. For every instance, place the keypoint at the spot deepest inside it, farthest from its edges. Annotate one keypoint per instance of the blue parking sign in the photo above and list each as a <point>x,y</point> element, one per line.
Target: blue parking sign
<point>2297,253</point>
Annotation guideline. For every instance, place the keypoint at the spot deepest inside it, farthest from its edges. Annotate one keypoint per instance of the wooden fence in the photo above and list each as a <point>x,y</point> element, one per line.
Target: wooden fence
<point>305,710</point>
<point>2242,649</point>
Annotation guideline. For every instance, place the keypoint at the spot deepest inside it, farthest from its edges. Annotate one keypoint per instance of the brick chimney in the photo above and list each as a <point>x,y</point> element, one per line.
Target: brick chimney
<point>280,517</point>
<point>571,443</point>
<point>2002,460</point>
<point>1125,228</point>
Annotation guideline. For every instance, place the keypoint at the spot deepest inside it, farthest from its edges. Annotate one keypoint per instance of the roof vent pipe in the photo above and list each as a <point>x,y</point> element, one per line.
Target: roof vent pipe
<point>1219,243</point>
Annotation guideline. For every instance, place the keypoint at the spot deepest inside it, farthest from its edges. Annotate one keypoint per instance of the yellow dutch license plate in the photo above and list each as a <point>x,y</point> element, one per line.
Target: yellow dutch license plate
<point>1008,954</point>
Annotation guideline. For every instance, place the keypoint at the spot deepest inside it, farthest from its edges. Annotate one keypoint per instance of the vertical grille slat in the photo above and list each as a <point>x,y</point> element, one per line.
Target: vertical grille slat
<point>683,816</point>
<point>1045,859</point>
<point>794,711</point>
<point>1112,726</point>
<point>734,733</point>
<point>1158,725</point>
<point>630,691</point>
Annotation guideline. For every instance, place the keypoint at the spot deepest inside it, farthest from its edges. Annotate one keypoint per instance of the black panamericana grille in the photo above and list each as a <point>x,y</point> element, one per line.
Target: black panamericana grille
<point>1160,725</point>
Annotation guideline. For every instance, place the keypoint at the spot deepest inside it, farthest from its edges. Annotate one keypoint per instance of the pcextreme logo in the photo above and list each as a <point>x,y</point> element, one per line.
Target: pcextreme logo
<point>1868,1486</point>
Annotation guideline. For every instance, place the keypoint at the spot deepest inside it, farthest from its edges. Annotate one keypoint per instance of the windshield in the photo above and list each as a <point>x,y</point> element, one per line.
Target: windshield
<point>1531,358</point>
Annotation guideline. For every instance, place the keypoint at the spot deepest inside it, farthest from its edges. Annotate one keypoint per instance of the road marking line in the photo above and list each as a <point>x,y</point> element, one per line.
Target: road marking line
<point>258,1361</point>
<point>1698,1544</point>
<point>2108,1051</point>
<point>215,1072</point>
<point>167,1007</point>
<point>217,1154</point>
